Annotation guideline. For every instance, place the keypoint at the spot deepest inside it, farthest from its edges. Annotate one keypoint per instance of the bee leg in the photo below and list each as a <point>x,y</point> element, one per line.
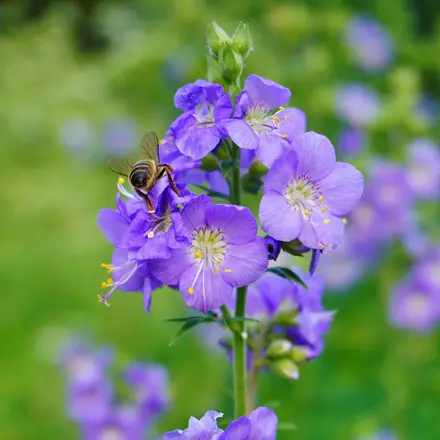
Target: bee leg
<point>168,170</point>
<point>147,201</point>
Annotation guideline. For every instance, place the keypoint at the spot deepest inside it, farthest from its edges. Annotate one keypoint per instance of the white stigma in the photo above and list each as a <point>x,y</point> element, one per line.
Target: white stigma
<point>159,224</point>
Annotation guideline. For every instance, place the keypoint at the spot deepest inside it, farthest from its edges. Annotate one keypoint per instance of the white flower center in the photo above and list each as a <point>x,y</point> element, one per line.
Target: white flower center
<point>111,433</point>
<point>159,224</point>
<point>261,120</point>
<point>301,195</point>
<point>205,115</point>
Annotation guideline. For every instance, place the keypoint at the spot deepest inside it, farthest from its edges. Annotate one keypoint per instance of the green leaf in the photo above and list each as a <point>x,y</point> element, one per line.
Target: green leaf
<point>190,322</point>
<point>210,192</point>
<point>184,319</point>
<point>288,274</point>
<point>227,165</point>
<point>243,318</point>
<point>286,427</point>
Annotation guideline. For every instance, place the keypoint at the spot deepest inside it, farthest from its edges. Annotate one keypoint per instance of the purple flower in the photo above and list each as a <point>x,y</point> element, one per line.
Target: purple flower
<point>257,127</point>
<point>150,384</point>
<point>120,423</point>
<point>273,247</point>
<point>413,306</point>
<point>307,192</point>
<point>370,45</point>
<point>224,253</point>
<point>199,130</point>
<point>260,425</point>
<point>351,141</point>
<point>120,136</point>
<point>423,158</point>
<point>357,104</point>
<point>427,270</point>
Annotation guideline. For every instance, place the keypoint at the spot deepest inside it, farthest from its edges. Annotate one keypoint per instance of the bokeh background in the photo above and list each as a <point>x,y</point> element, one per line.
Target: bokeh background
<point>80,80</point>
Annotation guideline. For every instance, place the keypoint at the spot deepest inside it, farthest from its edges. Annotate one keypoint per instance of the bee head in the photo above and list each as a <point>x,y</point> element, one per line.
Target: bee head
<point>138,178</point>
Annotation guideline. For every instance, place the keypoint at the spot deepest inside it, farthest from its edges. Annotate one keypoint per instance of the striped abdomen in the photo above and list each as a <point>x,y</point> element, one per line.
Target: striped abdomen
<point>143,174</point>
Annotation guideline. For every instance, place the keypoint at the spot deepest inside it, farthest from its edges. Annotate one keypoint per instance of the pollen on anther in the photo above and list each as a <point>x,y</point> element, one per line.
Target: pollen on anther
<point>198,255</point>
<point>284,136</point>
<point>190,290</point>
<point>217,270</point>
<point>282,107</point>
<point>121,181</point>
<point>306,212</point>
<point>321,199</point>
<point>276,119</point>
<point>228,270</point>
<point>150,234</point>
<point>344,220</point>
<point>104,285</point>
<point>110,271</point>
<point>326,221</point>
<point>109,281</point>
<point>323,210</point>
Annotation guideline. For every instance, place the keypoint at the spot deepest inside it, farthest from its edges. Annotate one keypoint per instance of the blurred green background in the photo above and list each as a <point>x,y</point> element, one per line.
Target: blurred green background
<point>85,63</point>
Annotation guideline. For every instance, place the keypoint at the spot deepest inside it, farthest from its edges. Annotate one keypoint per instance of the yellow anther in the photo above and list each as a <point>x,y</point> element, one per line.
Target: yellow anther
<point>282,107</point>
<point>228,270</point>
<point>150,234</point>
<point>217,270</point>
<point>198,255</point>
<point>323,210</point>
<point>109,281</point>
<point>217,260</point>
<point>276,119</point>
<point>321,199</point>
<point>110,271</point>
<point>344,220</point>
<point>104,285</point>
<point>326,221</point>
<point>121,180</point>
<point>190,290</point>
<point>306,212</point>
<point>326,207</point>
<point>284,136</point>
<point>286,115</point>
<point>104,266</point>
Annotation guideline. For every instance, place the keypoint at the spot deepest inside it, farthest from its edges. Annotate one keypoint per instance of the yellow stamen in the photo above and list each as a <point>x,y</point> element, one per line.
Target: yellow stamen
<point>121,180</point>
<point>321,199</point>
<point>276,119</point>
<point>109,281</point>
<point>344,220</point>
<point>190,290</point>
<point>282,107</point>
<point>150,234</point>
<point>326,207</point>
<point>217,270</point>
<point>198,255</point>
<point>228,270</point>
<point>326,221</point>
<point>323,210</point>
<point>104,285</point>
<point>306,212</point>
<point>110,271</point>
<point>284,136</point>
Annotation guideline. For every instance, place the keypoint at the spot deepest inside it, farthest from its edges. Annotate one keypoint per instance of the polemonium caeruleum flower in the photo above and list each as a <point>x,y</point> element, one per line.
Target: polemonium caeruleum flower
<point>415,306</point>
<point>307,193</point>
<point>224,252</point>
<point>370,45</point>
<point>423,165</point>
<point>357,104</point>
<point>261,424</point>
<point>119,136</point>
<point>199,130</point>
<point>261,123</point>
<point>351,141</point>
<point>427,270</point>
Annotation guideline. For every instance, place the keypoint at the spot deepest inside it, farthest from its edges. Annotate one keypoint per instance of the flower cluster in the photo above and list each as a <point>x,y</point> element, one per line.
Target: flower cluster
<point>91,397</point>
<point>261,424</point>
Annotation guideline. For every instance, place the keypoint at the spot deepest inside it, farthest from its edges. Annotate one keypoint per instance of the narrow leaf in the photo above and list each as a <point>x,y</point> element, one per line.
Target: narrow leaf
<point>185,327</point>
<point>287,274</point>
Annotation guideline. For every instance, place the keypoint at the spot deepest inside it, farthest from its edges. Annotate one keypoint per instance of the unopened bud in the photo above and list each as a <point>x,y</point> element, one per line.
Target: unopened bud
<point>294,247</point>
<point>286,368</point>
<point>209,163</point>
<point>232,65</point>
<point>258,169</point>
<point>214,70</point>
<point>241,40</point>
<point>217,38</point>
<point>298,354</point>
<point>278,349</point>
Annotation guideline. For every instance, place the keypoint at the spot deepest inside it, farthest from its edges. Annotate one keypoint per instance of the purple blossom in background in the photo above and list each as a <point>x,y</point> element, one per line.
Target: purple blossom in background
<point>150,384</point>
<point>351,142</point>
<point>371,46</point>
<point>423,159</point>
<point>261,424</point>
<point>78,135</point>
<point>224,253</point>
<point>306,193</point>
<point>119,136</point>
<point>257,127</point>
<point>414,307</point>
<point>199,130</point>
<point>357,104</point>
<point>427,270</point>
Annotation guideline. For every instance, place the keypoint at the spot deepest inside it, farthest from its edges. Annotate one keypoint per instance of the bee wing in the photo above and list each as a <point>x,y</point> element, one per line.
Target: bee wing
<point>150,146</point>
<point>121,165</point>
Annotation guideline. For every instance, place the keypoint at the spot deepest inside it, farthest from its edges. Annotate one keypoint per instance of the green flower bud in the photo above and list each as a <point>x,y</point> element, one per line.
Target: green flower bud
<point>298,354</point>
<point>209,163</point>
<point>217,39</point>
<point>214,70</point>
<point>285,368</point>
<point>279,348</point>
<point>258,169</point>
<point>232,65</point>
<point>241,40</point>
<point>294,247</point>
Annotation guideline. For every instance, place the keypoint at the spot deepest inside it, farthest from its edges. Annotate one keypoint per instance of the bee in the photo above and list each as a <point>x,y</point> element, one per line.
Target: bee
<point>144,173</point>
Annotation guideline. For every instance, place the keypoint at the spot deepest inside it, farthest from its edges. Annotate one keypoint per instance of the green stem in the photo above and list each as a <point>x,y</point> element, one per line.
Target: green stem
<point>240,385</point>
<point>253,381</point>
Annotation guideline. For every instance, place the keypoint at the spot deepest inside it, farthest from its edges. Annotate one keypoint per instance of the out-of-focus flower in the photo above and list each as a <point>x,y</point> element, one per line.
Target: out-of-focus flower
<point>357,104</point>
<point>413,306</point>
<point>224,253</point>
<point>261,424</point>
<point>423,164</point>
<point>150,384</point>
<point>383,434</point>
<point>257,127</point>
<point>199,130</point>
<point>78,135</point>
<point>371,46</point>
<point>427,109</point>
<point>307,192</point>
<point>351,141</point>
<point>119,136</point>
<point>427,270</point>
